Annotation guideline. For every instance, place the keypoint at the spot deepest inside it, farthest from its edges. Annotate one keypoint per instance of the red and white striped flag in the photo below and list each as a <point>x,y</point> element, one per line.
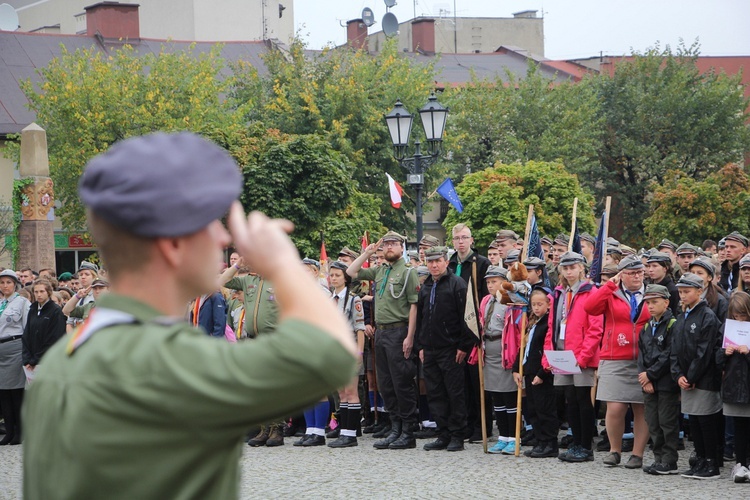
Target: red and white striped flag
<point>396,192</point>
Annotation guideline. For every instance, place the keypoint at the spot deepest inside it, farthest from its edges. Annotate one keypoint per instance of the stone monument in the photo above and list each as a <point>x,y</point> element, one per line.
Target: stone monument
<point>36,232</point>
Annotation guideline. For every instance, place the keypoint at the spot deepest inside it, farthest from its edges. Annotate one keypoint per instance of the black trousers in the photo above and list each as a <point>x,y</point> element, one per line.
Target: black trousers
<point>444,380</point>
<point>580,415</point>
<point>540,399</point>
<point>708,434</point>
<point>396,375</point>
<point>662,416</point>
<point>741,439</point>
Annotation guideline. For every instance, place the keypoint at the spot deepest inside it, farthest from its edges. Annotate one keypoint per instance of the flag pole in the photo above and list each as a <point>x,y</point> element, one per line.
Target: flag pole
<point>522,347</point>
<point>607,207</point>
<point>480,349</point>
<point>573,224</point>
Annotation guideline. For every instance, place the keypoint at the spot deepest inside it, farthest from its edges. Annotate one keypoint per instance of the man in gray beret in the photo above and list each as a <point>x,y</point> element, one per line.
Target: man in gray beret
<point>171,403</point>
<point>506,241</point>
<point>686,253</point>
<point>735,247</point>
<point>588,245</point>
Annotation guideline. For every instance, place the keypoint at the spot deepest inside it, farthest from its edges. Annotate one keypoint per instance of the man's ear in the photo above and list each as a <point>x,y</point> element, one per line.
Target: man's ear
<point>171,250</point>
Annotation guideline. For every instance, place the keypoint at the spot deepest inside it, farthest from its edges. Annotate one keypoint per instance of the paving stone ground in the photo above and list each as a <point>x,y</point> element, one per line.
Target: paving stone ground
<point>364,472</point>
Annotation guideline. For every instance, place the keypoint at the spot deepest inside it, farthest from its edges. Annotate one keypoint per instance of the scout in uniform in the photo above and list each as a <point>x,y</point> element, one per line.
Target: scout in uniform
<point>428,241</point>
<point>493,254</point>
<point>735,247</point>
<point>86,275</point>
<point>71,310</point>
<point>396,292</point>
<point>138,403</point>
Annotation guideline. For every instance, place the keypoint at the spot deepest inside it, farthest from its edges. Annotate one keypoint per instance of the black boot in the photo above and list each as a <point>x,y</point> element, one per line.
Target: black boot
<point>396,426</point>
<point>440,443</point>
<point>406,439</point>
<point>383,426</point>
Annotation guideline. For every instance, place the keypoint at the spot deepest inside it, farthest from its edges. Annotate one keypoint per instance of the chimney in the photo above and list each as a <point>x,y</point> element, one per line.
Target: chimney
<point>113,20</point>
<point>423,35</point>
<point>356,34</point>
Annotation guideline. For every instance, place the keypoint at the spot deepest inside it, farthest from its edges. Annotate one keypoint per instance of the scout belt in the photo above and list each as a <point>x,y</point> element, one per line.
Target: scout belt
<point>8,339</point>
<point>388,326</point>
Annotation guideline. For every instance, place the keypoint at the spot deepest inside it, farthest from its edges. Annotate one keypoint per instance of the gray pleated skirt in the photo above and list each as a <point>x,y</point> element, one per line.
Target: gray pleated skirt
<point>700,402</point>
<point>11,368</point>
<point>496,378</point>
<point>618,382</point>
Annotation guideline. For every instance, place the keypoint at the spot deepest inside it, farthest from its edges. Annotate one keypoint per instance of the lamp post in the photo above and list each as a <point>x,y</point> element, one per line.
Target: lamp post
<point>399,122</point>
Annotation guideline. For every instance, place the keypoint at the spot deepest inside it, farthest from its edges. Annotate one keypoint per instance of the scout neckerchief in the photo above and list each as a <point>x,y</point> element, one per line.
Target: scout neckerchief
<point>241,323</point>
<point>196,311</point>
<point>5,302</point>
<point>461,263</point>
<point>385,280</point>
<point>98,319</point>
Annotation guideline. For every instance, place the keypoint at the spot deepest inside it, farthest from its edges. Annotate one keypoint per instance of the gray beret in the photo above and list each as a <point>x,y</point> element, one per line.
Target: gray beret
<point>341,266</point>
<point>706,264</point>
<point>311,262</point>
<point>561,239</point>
<point>690,280</point>
<point>685,248</point>
<point>429,241</point>
<point>630,262</point>
<point>665,243</point>
<point>392,236</point>
<point>736,236</point>
<point>89,266</point>
<point>722,243</point>
<point>745,261</point>
<point>546,240</point>
<point>660,257</point>
<point>534,263</point>
<point>506,234</point>
<point>656,292</point>
<point>513,256</point>
<point>496,272</point>
<point>588,237</point>
<point>161,185</point>
<point>434,253</point>
<point>423,271</point>
<point>614,249</point>
<point>570,258</point>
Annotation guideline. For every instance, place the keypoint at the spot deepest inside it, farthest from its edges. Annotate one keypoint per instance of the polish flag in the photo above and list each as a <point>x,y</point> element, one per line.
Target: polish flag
<point>396,192</point>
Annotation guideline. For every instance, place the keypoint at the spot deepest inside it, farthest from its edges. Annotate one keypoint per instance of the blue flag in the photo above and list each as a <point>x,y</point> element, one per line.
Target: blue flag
<point>535,248</point>
<point>447,191</point>
<point>576,247</point>
<point>598,261</point>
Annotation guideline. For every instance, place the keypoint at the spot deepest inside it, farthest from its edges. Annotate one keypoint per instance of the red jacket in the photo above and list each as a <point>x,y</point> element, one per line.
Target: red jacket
<point>620,336</point>
<point>582,331</point>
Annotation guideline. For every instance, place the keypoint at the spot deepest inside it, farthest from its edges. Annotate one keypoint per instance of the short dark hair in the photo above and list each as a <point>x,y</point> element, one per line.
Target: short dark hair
<point>46,284</point>
<point>708,244</point>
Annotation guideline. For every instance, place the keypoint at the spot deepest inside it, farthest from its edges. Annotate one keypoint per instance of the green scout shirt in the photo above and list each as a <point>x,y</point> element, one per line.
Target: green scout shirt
<point>83,311</point>
<point>393,297</point>
<point>149,410</point>
<point>261,310</point>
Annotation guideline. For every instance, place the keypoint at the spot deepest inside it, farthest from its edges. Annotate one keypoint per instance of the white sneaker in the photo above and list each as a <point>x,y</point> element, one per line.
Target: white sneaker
<point>740,473</point>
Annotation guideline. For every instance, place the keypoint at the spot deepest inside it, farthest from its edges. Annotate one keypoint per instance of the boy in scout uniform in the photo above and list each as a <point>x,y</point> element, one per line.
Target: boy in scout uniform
<point>396,292</point>
<point>138,403</point>
<point>71,310</point>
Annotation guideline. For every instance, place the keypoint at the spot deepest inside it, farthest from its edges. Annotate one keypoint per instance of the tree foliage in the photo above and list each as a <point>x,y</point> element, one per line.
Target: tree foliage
<point>498,198</point>
<point>661,114</point>
<point>518,120</point>
<point>686,209</point>
<point>341,95</point>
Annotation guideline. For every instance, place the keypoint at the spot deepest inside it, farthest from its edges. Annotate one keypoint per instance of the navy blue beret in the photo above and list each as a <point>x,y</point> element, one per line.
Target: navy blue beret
<point>161,185</point>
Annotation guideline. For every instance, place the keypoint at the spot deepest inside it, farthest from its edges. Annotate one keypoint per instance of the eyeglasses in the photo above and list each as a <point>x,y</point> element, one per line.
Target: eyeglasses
<point>633,274</point>
<point>391,243</point>
<point>461,238</point>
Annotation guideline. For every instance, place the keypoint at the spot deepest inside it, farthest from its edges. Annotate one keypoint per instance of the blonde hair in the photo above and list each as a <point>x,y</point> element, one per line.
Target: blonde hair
<point>460,227</point>
<point>581,275</point>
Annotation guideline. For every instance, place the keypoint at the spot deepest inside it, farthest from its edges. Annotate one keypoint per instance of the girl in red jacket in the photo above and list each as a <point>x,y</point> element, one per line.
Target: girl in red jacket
<point>571,328</point>
<point>621,302</point>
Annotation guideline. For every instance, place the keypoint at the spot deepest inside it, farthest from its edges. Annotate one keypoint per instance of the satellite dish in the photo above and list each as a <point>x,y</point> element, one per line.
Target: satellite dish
<point>390,24</point>
<point>368,17</point>
<point>389,3</point>
<point>8,18</point>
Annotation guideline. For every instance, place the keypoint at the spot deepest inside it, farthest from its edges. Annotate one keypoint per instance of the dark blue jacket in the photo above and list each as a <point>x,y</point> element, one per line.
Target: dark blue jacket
<point>212,317</point>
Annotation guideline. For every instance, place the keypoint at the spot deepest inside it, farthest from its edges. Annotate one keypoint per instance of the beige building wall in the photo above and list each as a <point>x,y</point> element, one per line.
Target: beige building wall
<point>474,34</point>
<point>198,20</point>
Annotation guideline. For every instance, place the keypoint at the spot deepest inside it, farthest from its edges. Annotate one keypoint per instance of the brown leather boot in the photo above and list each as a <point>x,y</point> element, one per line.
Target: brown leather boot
<point>276,437</point>
<point>261,438</point>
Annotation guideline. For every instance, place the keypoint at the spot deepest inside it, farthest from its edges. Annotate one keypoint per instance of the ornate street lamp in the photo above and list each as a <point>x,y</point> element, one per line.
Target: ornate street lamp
<point>399,122</point>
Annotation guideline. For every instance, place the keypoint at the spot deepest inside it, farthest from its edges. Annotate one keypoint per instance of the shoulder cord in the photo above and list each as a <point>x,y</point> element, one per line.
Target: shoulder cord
<point>406,282</point>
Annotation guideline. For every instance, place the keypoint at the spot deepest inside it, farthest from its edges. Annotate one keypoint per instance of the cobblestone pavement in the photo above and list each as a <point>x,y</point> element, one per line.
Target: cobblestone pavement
<point>288,472</point>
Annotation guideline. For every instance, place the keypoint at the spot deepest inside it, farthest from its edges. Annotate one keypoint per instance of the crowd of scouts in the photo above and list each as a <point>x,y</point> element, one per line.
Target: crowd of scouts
<point>647,338</point>
<point>36,310</point>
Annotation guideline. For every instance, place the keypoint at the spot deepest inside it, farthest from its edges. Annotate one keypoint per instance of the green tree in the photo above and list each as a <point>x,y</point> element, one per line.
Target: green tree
<point>296,177</point>
<point>342,95</point>
<point>87,100</point>
<point>661,114</point>
<point>686,209</point>
<point>512,119</point>
<point>498,198</point>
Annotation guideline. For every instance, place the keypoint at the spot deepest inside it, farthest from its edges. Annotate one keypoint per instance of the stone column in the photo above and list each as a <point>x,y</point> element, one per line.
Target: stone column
<point>36,233</point>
